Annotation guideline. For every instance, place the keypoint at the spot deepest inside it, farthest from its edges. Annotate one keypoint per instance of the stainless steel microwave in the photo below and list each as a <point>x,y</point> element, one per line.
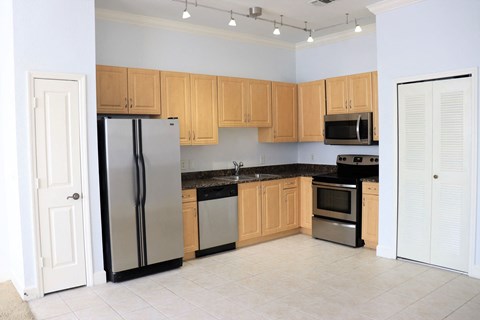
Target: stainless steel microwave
<point>349,129</point>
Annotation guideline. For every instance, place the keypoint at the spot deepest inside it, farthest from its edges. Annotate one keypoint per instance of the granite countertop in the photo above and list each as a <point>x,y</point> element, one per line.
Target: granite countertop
<point>370,179</point>
<point>202,179</point>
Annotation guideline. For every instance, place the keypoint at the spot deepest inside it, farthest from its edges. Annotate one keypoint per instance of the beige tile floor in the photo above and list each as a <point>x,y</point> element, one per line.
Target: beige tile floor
<point>292,278</point>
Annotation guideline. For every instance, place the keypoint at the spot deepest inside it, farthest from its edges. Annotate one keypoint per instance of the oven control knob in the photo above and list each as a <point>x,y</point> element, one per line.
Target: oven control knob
<point>376,159</point>
<point>371,159</point>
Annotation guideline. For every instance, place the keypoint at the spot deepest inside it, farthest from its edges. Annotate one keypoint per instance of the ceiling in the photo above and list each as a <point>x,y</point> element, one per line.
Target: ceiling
<point>321,18</point>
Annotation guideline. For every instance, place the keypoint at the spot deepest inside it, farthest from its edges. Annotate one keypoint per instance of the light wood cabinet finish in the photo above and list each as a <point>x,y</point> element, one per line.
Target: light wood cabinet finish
<point>189,195</point>
<point>284,111</point>
<point>370,214</point>
<point>112,91</point>
<point>376,132</point>
<point>271,207</point>
<point>193,99</point>
<point>176,102</point>
<point>349,94</point>
<point>311,110</point>
<point>204,109</point>
<point>190,227</point>
<point>306,201</point>
<point>290,210</point>
<point>128,91</point>
<point>244,102</point>
<point>249,210</point>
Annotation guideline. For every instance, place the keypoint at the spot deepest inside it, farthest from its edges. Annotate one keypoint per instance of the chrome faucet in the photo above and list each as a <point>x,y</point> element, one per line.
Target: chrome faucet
<point>237,167</point>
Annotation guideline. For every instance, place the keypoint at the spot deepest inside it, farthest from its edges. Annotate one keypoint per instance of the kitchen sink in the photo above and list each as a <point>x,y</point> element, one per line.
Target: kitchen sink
<point>248,177</point>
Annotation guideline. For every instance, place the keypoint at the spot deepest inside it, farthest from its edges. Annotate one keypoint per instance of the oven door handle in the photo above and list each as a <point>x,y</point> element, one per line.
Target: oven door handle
<point>349,186</point>
<point>357,128</point>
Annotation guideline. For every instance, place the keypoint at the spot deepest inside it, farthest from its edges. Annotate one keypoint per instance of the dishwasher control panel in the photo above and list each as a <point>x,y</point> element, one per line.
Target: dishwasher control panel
<point>217,192</point>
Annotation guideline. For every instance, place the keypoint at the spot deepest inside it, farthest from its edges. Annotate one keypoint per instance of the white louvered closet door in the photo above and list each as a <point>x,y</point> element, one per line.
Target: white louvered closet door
<point>452,168</point>
<point>435,172</point>
<point>415,168</point>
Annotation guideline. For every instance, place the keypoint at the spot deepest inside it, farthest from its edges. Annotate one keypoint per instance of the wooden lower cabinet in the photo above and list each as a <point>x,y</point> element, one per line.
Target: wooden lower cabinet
<point>306,200</point>
<point>190,221</point>
<point>271,207</point>
<point>370,214</point>
<point>290,209</point>
<point>249,210</point>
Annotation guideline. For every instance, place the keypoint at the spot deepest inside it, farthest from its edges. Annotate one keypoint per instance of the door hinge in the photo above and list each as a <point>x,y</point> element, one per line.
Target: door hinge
<point>42,262</point>
<point>35,102</point>
<point>37,183</point>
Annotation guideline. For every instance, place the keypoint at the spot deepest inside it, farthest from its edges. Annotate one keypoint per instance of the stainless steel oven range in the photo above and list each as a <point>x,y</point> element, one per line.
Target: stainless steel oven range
<point>337,200</point>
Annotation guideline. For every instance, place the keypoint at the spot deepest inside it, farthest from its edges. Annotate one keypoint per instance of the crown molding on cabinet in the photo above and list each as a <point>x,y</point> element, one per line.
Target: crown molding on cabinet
<point>387,5</point>
<point>141,20</point>
<point>337,37</point>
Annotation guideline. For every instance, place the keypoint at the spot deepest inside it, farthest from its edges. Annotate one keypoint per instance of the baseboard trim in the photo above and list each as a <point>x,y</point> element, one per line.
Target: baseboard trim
<point>474,271</point>
<point>386,252</point>
<point>99,277</point>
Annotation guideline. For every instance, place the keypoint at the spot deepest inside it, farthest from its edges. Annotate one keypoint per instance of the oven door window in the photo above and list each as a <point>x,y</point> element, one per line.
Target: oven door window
<point>346,130</point>
<point>334,200</point>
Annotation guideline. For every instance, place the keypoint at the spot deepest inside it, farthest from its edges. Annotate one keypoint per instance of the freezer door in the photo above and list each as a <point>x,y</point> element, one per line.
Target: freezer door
<point>163,199</point>
<point>121,194</point>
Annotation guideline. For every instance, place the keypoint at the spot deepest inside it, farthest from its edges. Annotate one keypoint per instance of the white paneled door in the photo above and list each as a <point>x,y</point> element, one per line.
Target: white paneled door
<point>59,188</point>
<point>435,171</point>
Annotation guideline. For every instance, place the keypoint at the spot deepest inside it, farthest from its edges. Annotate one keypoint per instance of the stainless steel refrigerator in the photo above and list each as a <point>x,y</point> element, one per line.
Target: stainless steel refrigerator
<point>141,199</point>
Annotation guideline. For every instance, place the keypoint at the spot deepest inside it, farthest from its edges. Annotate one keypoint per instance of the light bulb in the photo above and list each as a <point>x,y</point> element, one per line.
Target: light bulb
<point>185,15</point>
<point>310,39</point>
<point>276,31</point>
<point>357,27</point>
<point>232,23</point>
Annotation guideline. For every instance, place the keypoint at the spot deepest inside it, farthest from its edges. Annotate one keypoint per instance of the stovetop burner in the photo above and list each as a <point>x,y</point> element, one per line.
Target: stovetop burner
<point>350,168</point>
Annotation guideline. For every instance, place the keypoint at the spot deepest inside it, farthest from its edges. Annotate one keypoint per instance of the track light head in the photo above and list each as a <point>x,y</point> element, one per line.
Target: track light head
<point>357,27</point>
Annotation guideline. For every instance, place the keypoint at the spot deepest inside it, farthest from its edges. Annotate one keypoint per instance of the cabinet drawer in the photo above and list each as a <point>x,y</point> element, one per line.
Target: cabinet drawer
<point>290,183</point>
<point>189,195</point>
<point>370,188</point>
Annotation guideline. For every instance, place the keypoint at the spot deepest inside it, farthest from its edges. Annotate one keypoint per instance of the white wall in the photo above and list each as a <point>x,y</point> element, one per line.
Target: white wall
<point>427,37</point>
<point>355,55</point>
<point>52,36</point>
<point>124,44</point>
<point>11,261</point>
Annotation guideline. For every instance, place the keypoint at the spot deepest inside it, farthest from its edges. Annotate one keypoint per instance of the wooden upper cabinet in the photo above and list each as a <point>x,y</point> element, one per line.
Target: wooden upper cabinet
<point>144,91</point>
<point>204,109</point>
<point>259,103</point>
<point>128,91</point>
<point>360,92</point>
<point>349,94</point>
<point>232,102</point>
<point>112,92</point>
<point>376,132</point>
<point>249,210</point>
<point>284,112</point>
<point>337,95</point>
<point>311,110</point>
<point>176,102</point>
<point>244,102</point>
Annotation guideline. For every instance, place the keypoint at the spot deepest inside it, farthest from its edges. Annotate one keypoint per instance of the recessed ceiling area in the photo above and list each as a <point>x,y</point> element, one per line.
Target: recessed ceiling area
<point>323,18</point>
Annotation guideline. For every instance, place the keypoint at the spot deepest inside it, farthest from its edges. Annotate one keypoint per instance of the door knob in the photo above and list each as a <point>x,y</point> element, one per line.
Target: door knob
<point>74,196</point>
<point>435,176</point>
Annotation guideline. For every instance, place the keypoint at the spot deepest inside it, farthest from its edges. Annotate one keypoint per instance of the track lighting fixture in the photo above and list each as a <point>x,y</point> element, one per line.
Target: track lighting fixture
<point>276,31</point>
<point>357,27</point>
<point>232,22</point>
<point>310,39</point>
<point>186,15</point>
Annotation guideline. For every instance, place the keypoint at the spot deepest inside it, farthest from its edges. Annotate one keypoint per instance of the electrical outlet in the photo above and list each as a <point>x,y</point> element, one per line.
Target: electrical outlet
<point>262,159</point>
<point>183,165</point>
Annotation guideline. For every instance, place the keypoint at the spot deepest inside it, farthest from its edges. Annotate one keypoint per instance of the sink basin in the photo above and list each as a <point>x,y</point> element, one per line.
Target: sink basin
<point>246,177</point>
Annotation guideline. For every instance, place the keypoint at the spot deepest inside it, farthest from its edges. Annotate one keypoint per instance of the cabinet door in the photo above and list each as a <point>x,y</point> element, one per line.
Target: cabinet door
<point>259,103</point>
<point>176,102</point>
<point>284,109</point>
<point>144,91</point>
<point>232,102</point>
<point>376,132</point>
<point>290,213</point>
<point>204,109</point>
<point>112,90</point>
<point>370,220</point>
<point>337,95</point>
<point>360,92</point>
<point>190,227</point>
<point>306,201</point>
<point>271,207</point>
<point>249,210</point>
<point>311,109</point>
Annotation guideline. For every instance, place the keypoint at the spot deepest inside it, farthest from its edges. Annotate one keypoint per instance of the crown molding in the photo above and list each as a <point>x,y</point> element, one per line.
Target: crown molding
<point>387,5</point>
<point>337,37</point>
<point>141,20</point>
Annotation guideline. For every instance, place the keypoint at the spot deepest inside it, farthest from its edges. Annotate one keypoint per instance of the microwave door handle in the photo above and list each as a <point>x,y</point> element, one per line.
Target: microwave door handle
<point>358,128</point>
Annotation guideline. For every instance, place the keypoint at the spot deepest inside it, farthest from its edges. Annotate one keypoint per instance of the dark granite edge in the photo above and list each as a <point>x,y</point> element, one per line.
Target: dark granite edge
<point>200,179</point>
<point>370,179</point>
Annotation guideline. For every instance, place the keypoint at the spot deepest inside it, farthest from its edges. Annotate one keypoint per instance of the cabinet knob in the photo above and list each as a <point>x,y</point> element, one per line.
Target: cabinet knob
<point>131,103</point>
<point>435,176</point>
<point>126,102</point>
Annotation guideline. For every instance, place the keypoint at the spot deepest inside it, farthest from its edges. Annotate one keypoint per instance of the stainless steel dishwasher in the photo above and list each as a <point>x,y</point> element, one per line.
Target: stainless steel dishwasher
<point>217,219</point>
